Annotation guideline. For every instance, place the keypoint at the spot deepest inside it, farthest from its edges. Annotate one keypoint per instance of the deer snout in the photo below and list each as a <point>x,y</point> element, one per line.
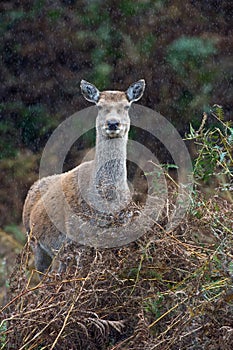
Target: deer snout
<point>113,124</point>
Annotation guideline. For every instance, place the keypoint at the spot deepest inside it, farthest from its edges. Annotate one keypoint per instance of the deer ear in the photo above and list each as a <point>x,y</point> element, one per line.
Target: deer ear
<point>135,91</point>
<point>89,91</point>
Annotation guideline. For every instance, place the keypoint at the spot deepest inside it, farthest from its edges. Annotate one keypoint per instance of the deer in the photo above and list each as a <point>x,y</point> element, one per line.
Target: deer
<point>100,183</point>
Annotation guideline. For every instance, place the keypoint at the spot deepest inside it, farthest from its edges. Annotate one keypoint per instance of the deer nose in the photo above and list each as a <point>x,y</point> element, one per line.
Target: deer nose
<point>113,124</point>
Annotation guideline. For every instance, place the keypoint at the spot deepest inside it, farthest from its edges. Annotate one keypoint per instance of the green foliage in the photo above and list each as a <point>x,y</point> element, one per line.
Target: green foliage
<point>14,230</point>
<point>192,60</point>
<point>146,45</point>
<point>8,19</point>
<point>155,306</point>
<point>3,329</point>
<point>190,53</point>
<point>215,147</point>
<point>110,37</point>
<point>55,15</point>
<point>132,8</point>
<point>96,17</point>
<point>22,126</point>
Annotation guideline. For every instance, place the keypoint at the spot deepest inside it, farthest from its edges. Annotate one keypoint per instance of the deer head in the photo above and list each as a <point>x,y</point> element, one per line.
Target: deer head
<point>113,108</point>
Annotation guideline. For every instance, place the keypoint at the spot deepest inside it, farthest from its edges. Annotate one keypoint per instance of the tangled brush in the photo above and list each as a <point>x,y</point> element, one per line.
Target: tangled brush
<point>168,290</point>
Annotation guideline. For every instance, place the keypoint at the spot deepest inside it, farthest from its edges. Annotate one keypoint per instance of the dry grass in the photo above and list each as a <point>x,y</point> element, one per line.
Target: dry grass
<point>168,290</point>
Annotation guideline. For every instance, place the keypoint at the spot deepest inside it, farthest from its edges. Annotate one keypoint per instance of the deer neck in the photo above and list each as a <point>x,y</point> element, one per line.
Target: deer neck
<point>110,162</point>
<point>110,191</point>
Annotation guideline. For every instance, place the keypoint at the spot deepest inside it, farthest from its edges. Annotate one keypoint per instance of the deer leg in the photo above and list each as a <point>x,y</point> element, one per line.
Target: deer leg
<point>42,258</point>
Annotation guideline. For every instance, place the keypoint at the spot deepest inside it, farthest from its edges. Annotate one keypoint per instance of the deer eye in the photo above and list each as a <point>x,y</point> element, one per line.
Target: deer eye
<point>99,107</point>
<point>126,108</point>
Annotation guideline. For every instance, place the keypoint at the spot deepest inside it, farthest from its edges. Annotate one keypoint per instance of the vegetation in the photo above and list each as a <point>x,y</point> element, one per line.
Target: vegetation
<point>183,52</point>
<point>169,290</point>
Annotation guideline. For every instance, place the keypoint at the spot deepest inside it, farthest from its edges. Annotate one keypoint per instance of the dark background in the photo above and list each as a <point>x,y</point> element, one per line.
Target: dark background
<point>183,49</point>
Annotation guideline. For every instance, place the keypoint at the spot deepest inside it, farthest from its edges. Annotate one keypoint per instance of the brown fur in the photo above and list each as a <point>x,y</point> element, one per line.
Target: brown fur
<point>54,201</point>
<point>113,96</point>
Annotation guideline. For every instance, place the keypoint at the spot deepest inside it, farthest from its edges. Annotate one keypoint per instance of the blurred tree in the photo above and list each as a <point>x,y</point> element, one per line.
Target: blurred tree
<point>192,60</point>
